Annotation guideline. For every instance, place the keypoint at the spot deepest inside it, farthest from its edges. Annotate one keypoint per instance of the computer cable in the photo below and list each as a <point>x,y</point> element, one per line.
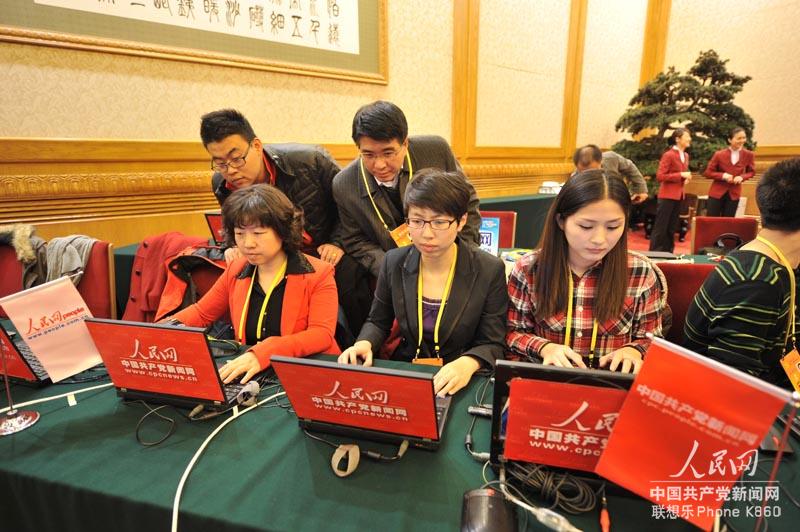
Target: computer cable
<point>476,411</point>
<point>563,490</point>
<point>69,396</point>
<point>546,516</point>
<point>153,411</point>
<point>185,476</point>
<point>373,455</point>
<point>247,396</point>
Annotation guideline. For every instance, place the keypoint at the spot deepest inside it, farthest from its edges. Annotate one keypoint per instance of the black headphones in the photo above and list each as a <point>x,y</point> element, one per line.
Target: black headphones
<point>725,239</point>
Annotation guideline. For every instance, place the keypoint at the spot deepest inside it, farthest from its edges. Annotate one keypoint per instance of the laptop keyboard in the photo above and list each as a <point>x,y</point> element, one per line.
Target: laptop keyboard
<point>441,407</point>
<point>232,390</point>
<point>36,366</point>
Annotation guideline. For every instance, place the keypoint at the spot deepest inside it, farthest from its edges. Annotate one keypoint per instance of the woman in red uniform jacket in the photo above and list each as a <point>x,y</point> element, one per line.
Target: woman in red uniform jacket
<point>729,168</point>
<point>280,301</point>
<point>673,173</point>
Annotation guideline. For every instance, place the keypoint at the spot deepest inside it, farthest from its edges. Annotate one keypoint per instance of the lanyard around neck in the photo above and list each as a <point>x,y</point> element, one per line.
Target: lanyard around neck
<point>279,275</point>
<point>792,286</point>
<point>366,185</point>
<point>440,313</point>
<point>568,331</point>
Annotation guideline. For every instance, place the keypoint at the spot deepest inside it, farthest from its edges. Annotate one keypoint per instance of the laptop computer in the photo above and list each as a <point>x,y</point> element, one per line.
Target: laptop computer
<point>214,221</point>
<point>560,417</point>
<point>379,404</point>
<point>161,363</point>
<point>21,364</point>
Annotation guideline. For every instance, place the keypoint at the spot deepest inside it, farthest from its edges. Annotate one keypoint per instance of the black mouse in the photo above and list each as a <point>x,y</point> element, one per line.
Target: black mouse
<point>487,510</point>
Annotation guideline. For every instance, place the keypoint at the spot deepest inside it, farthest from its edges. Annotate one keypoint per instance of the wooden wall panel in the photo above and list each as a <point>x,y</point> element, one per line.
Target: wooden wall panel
<point>122,191</point>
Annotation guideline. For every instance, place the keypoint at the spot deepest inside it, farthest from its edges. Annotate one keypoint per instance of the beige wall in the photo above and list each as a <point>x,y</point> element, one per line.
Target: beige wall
<point>761,40</point>
<point>56,93</point>
<point>50,92</point>
<point>522,54</point>
<point>611,65</point>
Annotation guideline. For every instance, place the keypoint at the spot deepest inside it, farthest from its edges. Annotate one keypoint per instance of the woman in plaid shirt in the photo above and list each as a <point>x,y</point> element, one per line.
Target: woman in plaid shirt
<point>583,271</point>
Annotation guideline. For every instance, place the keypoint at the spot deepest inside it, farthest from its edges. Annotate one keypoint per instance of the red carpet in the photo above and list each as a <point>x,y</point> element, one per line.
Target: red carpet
<point>638,242</point>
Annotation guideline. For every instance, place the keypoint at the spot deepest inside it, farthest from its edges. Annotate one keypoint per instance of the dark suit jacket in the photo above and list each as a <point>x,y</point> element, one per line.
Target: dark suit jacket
<point>669,175</point>
<point>363,234</point>
<point>474,320</point>
<point>721,163</point>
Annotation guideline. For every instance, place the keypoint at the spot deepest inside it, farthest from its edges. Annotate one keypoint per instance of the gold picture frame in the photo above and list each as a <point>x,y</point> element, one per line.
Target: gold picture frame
<point>25,22</point>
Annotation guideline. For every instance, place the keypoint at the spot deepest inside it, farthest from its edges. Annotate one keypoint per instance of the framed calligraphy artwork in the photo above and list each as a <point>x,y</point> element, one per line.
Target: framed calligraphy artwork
<point>340,39</point>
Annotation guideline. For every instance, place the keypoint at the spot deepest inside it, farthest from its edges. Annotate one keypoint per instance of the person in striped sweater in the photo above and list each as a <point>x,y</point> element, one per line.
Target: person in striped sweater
<point>742,315</point>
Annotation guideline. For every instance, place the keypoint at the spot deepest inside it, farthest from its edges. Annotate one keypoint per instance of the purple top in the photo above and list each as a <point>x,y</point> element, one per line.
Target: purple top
<point>430,309</point>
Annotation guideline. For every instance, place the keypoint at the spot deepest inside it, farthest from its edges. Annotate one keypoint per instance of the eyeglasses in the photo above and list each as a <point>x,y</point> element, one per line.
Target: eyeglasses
<point>387,155</point>
<point>236,162</point>
<point>436,225</point>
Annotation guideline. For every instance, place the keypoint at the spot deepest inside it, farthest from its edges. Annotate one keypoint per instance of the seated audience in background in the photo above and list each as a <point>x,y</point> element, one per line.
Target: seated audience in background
<point>448,296</point>
<point>281,301</point>
<point>370,189</point>
<point>729,168</point>
<point>673,173</point>
<point>305,174</point>
<point>742,315</point>
<point>581,299</point>
<point>591,157</point>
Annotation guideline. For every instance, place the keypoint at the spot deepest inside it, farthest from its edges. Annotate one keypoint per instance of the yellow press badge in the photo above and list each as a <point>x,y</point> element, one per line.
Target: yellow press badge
<point>791,365</point>
<point>400,235</point>
<point>428,361</point>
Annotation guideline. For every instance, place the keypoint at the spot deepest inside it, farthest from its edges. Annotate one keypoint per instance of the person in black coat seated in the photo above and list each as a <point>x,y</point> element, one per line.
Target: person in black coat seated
<point>448,296</point>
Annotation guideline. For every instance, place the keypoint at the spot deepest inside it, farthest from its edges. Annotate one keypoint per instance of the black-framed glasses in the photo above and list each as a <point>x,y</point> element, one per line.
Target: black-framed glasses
<point>236,162</point>
<point>437,224</point>
<point>387,155</point>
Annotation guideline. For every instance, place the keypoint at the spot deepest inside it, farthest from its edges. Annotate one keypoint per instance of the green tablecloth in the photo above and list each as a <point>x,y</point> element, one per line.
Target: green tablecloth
<point>531,214</point>
<point>80,468</point>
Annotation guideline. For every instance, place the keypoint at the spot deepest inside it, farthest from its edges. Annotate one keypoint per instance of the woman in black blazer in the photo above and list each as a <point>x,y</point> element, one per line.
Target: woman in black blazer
<point>464,301</point>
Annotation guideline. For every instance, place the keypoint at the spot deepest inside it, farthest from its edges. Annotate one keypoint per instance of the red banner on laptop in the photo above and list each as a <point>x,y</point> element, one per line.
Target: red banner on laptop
<point>147,358</point>
<point>560,424</point>
<point>686,432</point>
<point>338,395</point>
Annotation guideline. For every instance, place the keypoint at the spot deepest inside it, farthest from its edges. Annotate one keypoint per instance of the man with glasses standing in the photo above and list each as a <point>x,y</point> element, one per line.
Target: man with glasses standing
<point>369,191</point>
<point>301,171</point>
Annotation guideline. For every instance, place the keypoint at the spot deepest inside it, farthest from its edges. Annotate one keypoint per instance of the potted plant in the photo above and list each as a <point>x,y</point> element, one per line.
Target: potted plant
<point>701,100</point>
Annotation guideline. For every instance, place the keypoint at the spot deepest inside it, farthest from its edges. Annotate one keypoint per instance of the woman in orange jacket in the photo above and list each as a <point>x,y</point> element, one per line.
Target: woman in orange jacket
<point>673,173</point>
<point>281,301</point>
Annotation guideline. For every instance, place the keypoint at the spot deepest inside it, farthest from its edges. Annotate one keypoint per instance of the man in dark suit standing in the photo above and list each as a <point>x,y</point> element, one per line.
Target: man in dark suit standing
<point>305,174</point>
<point>369,191</point>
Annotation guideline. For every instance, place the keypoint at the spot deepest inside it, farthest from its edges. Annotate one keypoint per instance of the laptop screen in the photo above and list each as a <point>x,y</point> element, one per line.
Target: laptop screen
<point>556,416</point>
<point>214,221</point>
<point>15,365</point>
<point>386,400</point>
<point>160,359</point>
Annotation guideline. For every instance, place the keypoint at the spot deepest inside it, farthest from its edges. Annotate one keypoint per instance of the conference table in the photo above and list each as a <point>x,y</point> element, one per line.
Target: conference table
<point>80,468</point>
<point>531,212</point>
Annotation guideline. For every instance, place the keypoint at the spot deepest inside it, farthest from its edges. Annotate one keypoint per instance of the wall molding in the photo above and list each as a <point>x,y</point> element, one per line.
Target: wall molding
<point>124,190</point>
<point>466,41</point>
